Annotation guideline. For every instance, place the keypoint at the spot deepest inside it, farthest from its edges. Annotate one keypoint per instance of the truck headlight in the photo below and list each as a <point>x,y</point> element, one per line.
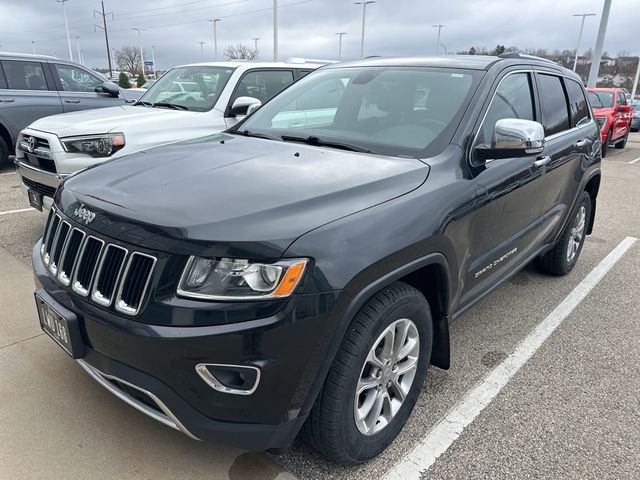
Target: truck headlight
<point>94,145</point>
<point>239,279</point>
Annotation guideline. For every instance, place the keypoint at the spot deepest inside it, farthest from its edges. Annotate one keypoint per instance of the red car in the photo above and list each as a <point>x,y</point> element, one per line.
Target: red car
<point>613,114</point>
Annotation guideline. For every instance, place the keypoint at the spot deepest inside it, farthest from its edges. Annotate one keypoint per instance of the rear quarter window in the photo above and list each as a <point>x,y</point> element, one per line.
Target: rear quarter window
<point>578,102</point>
<point>24,75</point>
<point>555,112</point>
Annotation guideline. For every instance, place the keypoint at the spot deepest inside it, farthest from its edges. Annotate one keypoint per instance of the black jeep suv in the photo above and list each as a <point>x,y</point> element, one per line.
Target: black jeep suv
<point>299,271</point>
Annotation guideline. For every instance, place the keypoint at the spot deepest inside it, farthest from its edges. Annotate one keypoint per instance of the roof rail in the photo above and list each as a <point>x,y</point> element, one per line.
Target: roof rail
<point>524,55</point>
<point>26,55</point>
<point>309,60</point>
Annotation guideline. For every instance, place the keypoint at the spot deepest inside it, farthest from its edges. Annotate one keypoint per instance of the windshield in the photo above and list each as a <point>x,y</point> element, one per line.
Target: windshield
<point>600,99</point>
<point>194,88</point>
<point>410,111</point>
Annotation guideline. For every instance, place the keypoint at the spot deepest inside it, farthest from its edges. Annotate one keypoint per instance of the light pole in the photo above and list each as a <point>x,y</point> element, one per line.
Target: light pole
<point>153,60</point>
<point>635,82</point>
<point>275,30</point>
<point>201,44</point>
<point>78,48</point>
<point>215,38</point>
<point>140,45</point>
<point>255,44</point>
<point>439,27</point>
<point>340,35</point>
<point>583,15</point>
<point>597,54</point>
<point>364,14</point>
<point>66,27</point>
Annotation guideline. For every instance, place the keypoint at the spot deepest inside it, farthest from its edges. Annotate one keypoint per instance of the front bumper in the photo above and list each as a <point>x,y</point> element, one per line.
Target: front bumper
<point>43,182</point>
<point>152,367</point>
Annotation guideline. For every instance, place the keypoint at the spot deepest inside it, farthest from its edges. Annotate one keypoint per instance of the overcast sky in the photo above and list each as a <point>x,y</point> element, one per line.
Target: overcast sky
<point>307,27</point>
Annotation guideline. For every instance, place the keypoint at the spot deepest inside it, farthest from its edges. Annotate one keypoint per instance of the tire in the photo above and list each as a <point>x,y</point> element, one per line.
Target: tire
<point>622,143</point>
<point>332,427</point>
<point>605,146</point>
<point>4,153</point>
<point>558,261</point>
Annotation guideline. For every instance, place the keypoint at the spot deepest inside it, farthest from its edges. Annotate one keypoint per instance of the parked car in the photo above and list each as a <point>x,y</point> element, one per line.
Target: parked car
<point>274,277</point>
<point>36,86</point>
<point>613,115</point>
<point>635,121</point>
<point>187,102</point>
<point>144,87</point>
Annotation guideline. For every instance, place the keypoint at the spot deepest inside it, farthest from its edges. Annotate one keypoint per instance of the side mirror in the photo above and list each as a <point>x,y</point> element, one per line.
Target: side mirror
<point>111,88</point>
<point>623,109</point>
<point>513,137</point>
<point>253,107</point>
<point>241,106</point>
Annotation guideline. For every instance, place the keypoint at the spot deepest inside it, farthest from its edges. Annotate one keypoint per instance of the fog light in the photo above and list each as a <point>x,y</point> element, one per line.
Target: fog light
<point>232,379</point>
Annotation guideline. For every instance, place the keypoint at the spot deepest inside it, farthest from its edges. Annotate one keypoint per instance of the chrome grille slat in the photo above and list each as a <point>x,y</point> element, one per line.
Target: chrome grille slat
<point>113,276</point>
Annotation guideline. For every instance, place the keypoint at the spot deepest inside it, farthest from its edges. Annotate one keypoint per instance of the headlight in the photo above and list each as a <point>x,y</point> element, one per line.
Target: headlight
<point>237,279</point>
<point>602,121</point>
<point>95,145</point>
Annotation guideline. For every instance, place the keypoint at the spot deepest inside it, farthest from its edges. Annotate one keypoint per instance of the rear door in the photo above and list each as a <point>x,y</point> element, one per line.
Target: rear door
<point>81,89</point>
<point>508,224</point>
<point>622,117</point>
<point>30,94</point>
<point>570,136</point>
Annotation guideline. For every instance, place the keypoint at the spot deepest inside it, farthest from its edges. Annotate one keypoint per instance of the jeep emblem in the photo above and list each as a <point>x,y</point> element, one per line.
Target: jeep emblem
<point>84,214</point>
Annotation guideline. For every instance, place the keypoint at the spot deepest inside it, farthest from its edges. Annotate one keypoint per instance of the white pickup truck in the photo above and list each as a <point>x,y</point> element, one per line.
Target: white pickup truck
<point>187,102</point>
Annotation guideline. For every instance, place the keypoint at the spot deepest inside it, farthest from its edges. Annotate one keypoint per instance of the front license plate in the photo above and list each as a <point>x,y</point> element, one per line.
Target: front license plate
<point>35,200</point>
<point>60,324</point>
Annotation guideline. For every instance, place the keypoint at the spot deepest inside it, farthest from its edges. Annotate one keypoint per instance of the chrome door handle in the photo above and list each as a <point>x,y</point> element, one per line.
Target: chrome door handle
<point>581,143</point>
<point>542,161</point>
<point>72,101</point>
<point>7,100</point>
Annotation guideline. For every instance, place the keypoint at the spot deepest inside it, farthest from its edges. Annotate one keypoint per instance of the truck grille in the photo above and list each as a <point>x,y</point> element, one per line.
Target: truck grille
<point>105,272</point>
<point>38,153</point>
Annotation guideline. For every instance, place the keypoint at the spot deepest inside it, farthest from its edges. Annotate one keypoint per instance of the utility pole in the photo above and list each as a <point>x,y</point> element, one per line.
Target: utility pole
<point>275,30</point>
<point>340,35</point>
<point>201,52</point>
<point>255,43</point>
<point>153,60</point>
<point>66,27</point>
<point>140,30</point>
<point>439,27</point>
<point>635,82</point>
<point>215,39</point>
<point>597,54</point>
<point>583,15</point>
<point>364,14</point>
<point>106,33</point>
<point>445,48</point>
<point>78,48</point>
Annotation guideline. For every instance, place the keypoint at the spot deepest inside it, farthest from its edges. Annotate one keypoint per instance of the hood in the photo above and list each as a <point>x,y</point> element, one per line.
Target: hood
<point>229,194</point>
<point>110,119</point>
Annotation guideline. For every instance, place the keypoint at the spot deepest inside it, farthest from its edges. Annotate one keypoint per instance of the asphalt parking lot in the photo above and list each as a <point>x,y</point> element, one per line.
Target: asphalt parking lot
<point>571,411</point>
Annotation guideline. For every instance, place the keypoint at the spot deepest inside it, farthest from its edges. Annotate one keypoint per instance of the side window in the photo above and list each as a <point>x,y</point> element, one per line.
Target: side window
<point>554,104</point>
<point>3,82</point>
<point>75,79</point>
<point>24,75</point>
<point>513,99</point>
<point>303,73</point>
<point>622,100</point>
<point>579,106</point>
<point>263,84</point>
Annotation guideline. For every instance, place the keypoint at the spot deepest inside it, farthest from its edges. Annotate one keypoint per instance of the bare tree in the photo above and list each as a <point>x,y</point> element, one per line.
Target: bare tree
<point>128,59</point>
<point>240,52</point>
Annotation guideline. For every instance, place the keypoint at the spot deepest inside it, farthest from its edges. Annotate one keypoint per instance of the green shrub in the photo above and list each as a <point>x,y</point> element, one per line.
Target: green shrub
<point>141,80</point>
<point>123,80</point>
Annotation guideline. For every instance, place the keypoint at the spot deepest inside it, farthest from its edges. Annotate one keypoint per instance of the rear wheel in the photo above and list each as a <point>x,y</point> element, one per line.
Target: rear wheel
<point>561,259</point>
<point>622,143</point>
<point>375,379</point>
<point>605,145</point>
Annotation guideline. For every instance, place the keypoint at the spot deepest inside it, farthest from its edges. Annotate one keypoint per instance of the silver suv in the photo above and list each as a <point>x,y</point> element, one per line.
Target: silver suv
<point>35,86</point>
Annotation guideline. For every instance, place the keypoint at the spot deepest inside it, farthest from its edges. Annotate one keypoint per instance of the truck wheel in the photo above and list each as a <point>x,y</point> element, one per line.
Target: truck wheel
<point>605,146</point>
<point>375,379</point>
<point>622,143</point>
<point>4,153</point>
<point>561,259</point>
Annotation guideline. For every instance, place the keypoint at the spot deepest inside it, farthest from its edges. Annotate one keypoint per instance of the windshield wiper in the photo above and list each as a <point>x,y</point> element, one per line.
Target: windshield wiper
<point>146,104</point>
<point>174,106</point>
<point>249,133</point>
<point>317,141</point>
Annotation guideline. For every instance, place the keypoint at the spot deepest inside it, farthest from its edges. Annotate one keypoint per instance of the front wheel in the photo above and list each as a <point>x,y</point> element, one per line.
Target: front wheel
<point>622,143</point>
<point>605,145</point>
<point>375,379</point>
<point>4,153</point>
<point>561,259</point>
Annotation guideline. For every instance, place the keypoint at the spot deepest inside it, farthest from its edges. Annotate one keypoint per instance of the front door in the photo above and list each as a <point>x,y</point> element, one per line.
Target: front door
<point>81,90</point>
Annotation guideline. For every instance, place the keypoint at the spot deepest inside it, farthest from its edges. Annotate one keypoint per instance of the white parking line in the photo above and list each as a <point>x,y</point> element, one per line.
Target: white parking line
<point>8,173</point>
<point>413,465</point>
<point>636,160</point>
<point>18,211</point>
